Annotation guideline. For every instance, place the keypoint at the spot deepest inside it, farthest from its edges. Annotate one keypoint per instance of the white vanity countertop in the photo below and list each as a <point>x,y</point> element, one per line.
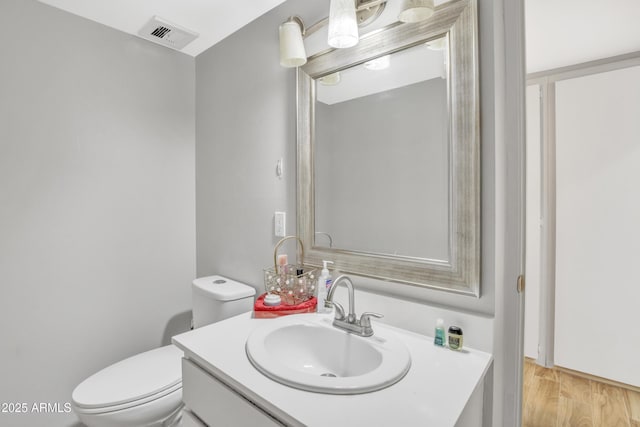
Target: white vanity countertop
<point>433,393</point>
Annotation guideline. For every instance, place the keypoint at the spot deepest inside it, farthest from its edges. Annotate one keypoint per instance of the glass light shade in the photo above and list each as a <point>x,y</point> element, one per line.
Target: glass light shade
<point>292,53</point>
<point>331,79</point>
<point>343,25</point>
<point>416,10</point>
<point>378,63</point>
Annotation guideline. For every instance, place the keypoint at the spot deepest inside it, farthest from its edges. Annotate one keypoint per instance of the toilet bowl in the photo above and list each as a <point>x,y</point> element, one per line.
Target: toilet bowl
<point>146,389</point>
<point>141,389</point>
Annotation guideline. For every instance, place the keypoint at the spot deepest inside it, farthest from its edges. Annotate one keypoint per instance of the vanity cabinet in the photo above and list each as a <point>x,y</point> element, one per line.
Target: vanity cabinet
<point>215,404</point>
<point>221,387</point>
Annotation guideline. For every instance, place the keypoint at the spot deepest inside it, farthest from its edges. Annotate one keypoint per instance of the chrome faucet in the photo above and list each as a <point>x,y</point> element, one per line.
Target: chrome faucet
<point>349,322</point>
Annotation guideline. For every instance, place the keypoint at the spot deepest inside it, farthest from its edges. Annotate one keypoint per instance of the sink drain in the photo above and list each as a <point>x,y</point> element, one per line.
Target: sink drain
<point>328,374</point>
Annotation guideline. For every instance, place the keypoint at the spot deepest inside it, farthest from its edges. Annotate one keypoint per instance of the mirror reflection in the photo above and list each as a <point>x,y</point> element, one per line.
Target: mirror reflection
<point>382,155</point>
<point>411,176</point>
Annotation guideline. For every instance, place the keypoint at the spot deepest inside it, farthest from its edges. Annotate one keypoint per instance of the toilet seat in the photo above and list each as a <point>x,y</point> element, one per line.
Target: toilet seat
<point>135,381</point>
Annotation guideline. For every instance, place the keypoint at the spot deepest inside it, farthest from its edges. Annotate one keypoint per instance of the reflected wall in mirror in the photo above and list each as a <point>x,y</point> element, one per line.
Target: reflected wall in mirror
<point>381,157</point>
<point>388,158</point>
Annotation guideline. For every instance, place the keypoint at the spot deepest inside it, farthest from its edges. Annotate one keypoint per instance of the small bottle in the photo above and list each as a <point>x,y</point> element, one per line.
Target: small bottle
<point>282,264</point>
<point>455,338</point>
<point>322,287</point>
<point>439,336</point>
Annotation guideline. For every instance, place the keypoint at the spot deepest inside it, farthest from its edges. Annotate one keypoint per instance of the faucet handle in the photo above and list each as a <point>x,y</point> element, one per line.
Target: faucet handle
<point>339,310</point>
<point>365,319</point>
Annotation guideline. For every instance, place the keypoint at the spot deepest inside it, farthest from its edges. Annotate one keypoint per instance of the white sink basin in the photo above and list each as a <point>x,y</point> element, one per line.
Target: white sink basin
<point>305,351</point>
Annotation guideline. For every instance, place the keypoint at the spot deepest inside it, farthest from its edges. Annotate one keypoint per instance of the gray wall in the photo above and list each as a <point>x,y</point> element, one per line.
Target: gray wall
<point>245,106</point>
<point>97,221</point>
<point>381,171</point>
<point>245,122</point>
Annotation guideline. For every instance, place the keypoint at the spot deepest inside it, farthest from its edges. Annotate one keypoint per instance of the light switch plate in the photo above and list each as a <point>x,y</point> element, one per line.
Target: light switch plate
<point>279,224</point>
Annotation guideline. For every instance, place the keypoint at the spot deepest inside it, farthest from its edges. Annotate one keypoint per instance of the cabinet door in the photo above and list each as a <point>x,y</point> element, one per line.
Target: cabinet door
<point>217,404</point>
<point>598,224</point>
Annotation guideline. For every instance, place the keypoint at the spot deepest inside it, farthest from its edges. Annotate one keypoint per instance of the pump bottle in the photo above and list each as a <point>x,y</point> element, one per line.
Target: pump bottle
<point>324,281</point>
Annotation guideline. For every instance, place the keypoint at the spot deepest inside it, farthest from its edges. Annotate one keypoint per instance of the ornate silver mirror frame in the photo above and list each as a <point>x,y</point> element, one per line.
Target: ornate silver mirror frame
<point>456,19</point>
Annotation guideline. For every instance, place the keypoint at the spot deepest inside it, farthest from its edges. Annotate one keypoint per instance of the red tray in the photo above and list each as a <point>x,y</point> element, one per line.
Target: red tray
<point>264,311</point>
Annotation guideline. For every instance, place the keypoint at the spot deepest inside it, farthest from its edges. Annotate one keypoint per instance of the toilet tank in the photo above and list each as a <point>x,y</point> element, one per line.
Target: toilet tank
<point>217,298</point>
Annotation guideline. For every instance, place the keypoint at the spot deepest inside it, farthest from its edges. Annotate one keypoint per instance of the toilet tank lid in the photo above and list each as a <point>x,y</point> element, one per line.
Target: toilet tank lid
<point>222,288</point>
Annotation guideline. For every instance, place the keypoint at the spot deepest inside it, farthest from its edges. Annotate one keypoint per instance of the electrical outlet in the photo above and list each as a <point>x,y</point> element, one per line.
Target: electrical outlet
<point>279,224</point>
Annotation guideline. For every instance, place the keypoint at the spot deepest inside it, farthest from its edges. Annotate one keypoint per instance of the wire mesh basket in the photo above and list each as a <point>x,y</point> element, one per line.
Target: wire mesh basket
<point>295,283</point>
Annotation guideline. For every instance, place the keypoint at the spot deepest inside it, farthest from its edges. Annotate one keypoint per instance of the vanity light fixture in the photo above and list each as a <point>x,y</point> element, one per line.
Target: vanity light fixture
<point>344,18</point>
<point>343,24</point>
<point>378,64</point>
<point>292,53</point>
<point>416,10</point>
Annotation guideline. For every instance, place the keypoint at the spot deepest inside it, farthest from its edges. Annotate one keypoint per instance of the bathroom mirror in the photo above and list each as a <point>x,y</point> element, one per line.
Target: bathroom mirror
<point>388,153</point>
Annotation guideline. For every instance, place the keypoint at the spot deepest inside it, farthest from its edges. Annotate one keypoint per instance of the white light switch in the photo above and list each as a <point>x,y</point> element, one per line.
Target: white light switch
<point>279,221</point>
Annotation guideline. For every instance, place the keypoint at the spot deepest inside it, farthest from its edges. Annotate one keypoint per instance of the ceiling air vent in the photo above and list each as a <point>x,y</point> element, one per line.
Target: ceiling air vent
<point>167,34</point>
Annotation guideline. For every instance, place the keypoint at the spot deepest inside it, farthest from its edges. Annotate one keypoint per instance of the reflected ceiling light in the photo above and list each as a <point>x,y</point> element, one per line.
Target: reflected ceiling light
<point>331,79</point>
<point>437,44</point>
<point>343,25</point>
<point>292,53</point>
<point>416,10</point>
<point>378,63</point>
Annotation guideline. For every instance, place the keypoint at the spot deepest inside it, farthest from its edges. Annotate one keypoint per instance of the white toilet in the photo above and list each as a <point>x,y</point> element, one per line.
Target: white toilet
<point>146,389</point>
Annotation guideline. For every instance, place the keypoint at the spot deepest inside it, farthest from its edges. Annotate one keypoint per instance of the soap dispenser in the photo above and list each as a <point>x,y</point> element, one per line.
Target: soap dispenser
<point>324,282</point>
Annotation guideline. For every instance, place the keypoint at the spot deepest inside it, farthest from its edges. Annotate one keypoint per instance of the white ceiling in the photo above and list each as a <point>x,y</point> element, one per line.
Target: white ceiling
<point>212,19</point>
<point>568,32</point>
<point>559,32</point>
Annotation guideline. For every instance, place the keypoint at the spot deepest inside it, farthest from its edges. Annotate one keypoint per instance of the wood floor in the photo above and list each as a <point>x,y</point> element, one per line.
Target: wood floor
<point>554,398</point>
